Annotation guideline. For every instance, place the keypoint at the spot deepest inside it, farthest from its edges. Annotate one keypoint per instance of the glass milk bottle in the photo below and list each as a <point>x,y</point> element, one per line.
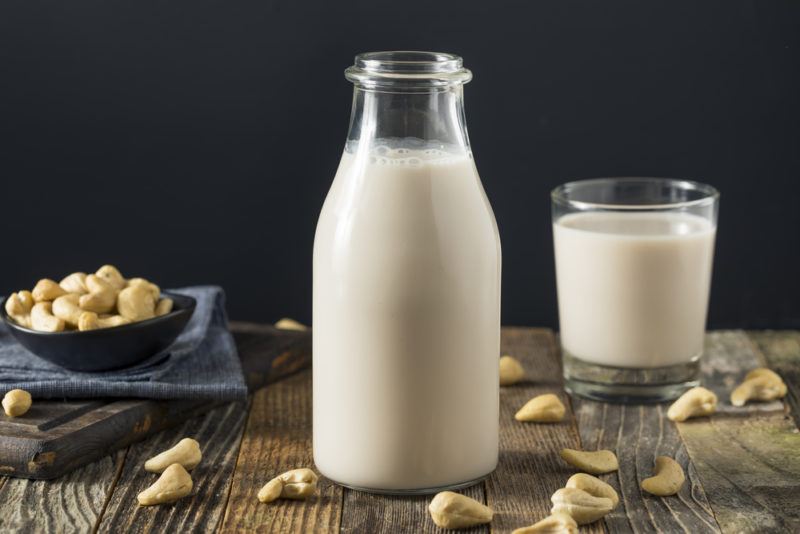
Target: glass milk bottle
<point>406,288</point>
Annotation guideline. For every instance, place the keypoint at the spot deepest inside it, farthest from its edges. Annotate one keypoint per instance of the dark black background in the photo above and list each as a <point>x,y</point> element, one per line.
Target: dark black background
<point>193,141</point>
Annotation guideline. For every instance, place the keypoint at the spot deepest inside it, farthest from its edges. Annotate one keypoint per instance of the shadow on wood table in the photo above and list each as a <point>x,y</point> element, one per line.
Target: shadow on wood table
<point>742,464</point>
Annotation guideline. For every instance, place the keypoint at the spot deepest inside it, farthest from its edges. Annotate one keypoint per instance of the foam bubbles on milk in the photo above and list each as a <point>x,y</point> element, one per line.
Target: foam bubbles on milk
<point>408,154</point>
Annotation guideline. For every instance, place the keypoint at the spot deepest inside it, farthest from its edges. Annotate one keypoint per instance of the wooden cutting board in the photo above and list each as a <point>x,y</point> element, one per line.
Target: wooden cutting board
<point>55,437</point>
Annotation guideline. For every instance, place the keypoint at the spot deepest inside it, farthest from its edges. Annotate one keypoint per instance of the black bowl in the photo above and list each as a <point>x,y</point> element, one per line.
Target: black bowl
<point>107,348</point>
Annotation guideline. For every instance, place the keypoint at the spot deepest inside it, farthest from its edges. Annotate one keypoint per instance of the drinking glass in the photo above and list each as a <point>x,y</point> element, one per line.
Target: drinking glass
<point>633,268</point>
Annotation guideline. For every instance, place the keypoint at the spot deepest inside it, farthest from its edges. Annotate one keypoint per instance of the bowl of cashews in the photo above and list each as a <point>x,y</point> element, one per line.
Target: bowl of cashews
<point>98,321</point>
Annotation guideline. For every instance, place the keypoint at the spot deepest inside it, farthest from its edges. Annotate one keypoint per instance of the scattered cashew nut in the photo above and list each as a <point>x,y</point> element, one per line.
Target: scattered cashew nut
<point>67,307</point>
<point>453,510</point>
<point>46,289</point>
<point>294,484</point>
<point>667,480</point>
<point>760,384</point>
<point>18,307</point>
<point>557,523</point>
<point>42,318</point>
<point>186,452</point>
<point>511,371</point>
<point>74,283</point>
<point>582,506</point>
<point>594,462</point>
<point>17,402</point>
<point>101,298</point>
<point>290,324</point>
<point>173,484</point>
<point>136,303</point>
<point>593,486</point>
<point>696,402</point>
<point>112,276</point>
<point>546,408</point>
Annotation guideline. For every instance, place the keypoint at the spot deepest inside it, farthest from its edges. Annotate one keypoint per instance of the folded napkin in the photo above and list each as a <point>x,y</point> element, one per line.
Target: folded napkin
<point>202,363</point>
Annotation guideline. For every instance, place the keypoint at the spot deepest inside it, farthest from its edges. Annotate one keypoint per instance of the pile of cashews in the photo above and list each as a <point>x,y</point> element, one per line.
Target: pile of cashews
<point>87,302</point>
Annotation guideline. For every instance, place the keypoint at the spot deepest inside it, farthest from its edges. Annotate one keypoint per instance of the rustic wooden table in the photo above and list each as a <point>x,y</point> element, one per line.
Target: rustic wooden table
<point>742,464</point>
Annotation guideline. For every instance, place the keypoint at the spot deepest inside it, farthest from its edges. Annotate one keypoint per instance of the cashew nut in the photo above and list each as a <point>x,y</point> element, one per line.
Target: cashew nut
<point>186,452</point>
<point>557,523</point>
<point>593,486</point>
<point>271,490</point>
<point>112,276</point>
<point>582,506</point>
<point>173,484</point>
<point>696,402</point>
<point>153,288</point>
<point>453,510</point>
<point>88,321</point>
<point>163,307</point>
<point>290,324</point>
<point>66,307</point>
<point>47,289</point>
<point>17,402</point>
<point>594,462</point>
<point>667,480</point>
<point>91,321</point>
<point>759,384</point>
<point>18,307</point>
<point>42,318</point>
<point>546,408</point>
<point>101,298</point>
<point>294,484</point>
<point>136,303</point>
<point>511,371</point>
<point>74,283</point>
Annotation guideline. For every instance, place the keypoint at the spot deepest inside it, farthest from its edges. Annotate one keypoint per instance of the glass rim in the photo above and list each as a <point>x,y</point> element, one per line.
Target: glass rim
<point>407,68</point>
<point>560,194</point>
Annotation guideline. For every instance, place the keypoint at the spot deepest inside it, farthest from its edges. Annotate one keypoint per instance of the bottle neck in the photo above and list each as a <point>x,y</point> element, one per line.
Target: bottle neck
<point>422,120</point>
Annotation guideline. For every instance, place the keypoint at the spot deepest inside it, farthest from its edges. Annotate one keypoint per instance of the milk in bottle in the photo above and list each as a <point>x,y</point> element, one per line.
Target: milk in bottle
<point>406,320</point>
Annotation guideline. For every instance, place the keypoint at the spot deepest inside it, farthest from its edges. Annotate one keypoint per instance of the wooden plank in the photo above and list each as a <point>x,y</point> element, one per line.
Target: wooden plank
<point>55,437</point>
<point>269,354</point>
<point>747,458</point>
<point>364,512</point>
<point>278,438</point>
<point>73,503</point>
<point>639,433</point>
<point>729,355</point>
<point>750,468</point>
<point>219,433</point>
<point>781,352</point>
<point>530,468</point>
<point>62,435</point>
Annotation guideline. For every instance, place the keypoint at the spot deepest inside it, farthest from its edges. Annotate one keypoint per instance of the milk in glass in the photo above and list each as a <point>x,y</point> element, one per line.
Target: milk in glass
<point>633,287</point>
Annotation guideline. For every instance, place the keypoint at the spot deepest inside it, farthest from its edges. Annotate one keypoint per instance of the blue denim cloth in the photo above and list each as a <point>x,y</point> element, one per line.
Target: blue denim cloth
<point>202,363</point>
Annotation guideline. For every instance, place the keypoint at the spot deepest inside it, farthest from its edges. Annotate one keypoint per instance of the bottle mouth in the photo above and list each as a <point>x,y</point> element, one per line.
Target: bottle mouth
<point>406,69</point>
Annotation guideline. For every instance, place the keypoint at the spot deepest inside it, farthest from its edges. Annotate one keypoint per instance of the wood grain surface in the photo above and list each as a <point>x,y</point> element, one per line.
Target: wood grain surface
<point>781,352</point>
<point>742,464</point>
<point>530,468</point>
<point>58,436</point>
<point>73,503</point>
<point>278,438</point>
<point>219,433</point>
<point>748,457</point>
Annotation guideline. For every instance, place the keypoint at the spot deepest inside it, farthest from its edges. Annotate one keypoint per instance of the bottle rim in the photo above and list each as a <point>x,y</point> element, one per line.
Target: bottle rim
<point>409,69</point>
